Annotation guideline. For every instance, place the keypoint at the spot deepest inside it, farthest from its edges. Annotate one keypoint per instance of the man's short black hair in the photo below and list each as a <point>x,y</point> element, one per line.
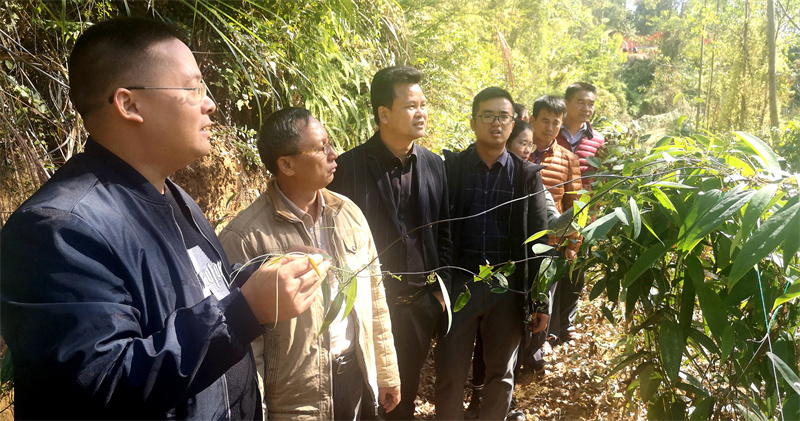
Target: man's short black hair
<point>519,109</point>
<point>382,92</point>
<point>550,103</point>
<point>487,94</point>
<point>577,87</point>
<point>280,135</point>
<point>519,126</point>
<point>111,53</point>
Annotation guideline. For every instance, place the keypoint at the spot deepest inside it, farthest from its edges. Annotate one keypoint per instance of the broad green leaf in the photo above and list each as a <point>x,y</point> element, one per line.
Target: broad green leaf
<point>599,228</point>
<point>537,236</point>
<point>792,242</point>
<point>621,215</point>
<point>649,380</point>
<point>578,209</point>
<point>484,275</point>
<point>711,304</point>
<point>649,228</point>
<point>501,280</point>
<point>508,268</point>
<point>703,340</point>
<point>597,289</point>
<point>350,299</point>
<point>745,168</point>
<point>499,290</point>
<point>662,198</point>
<point>671,346</point>
<point>757,205</point>
<point>609,315</point>
<point>791,293</point>
<point>446,297</point>
<point>645,261</point>
<point>764,241</point>
<point>548,269</point>
<point>636,218</point>
<point>687,305</point>
<point>729,204</point>
<point>333,311</point>
<point>702,410</point>
<point>630,359</point>
<point>593,161</point>
<point>762,149</point>
<point>703,201</point>
<point>726,345</point>
<point>788,374</point>
<point>539,248</point>
<point>462,300</point>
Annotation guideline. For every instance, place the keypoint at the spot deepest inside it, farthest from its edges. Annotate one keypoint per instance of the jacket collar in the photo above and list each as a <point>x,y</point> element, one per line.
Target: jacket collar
<point>114,169</point>
<point>333,203</point>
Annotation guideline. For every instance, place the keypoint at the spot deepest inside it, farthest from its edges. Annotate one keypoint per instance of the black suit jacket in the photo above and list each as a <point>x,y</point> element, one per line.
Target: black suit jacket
<point>364,179</point>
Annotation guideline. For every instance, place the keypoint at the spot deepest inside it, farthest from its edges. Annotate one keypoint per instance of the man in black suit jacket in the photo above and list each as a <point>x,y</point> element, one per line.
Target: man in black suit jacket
<point>401,186</point>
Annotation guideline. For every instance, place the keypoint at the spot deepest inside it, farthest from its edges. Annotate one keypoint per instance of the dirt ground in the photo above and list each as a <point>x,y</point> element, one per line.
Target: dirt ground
<point>575,385</point>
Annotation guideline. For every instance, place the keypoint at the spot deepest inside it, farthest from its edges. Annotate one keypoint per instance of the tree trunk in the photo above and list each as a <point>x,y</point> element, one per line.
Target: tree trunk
<point>773,93</point>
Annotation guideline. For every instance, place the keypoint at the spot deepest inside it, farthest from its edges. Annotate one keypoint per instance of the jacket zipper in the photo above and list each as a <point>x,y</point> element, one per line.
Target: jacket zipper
<point>183,240</point>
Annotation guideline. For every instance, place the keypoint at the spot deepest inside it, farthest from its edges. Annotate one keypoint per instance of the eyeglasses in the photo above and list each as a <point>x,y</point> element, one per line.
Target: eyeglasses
<point>200,91</point>
<point>327,148</point>
<point>504,119</point>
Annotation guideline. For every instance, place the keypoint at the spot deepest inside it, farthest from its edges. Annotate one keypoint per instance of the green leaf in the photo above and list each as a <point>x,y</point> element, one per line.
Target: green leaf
<point>501,280</point>
<point>762,149</point>
<point>636,218</point>
<point>662,198</point>
<point>649,380</point>
<point>702,410</point>
<point>788,374</point>
<point>758,204</point>
<point>621,215</point>
<point>646,261</point>
<point>599,228</point>
<point>333,311</point>
<point>540,248</point>
<point>593,161</point>
<point>6,369</point>
<point>352,289</point>
<point>671,346</point>
<point>726,345</point>
<point>791,293</point>
<point>484,275</point>
<point>462,300</point>
<point>711,304</point>
<point>537,236</point>
<point>764,241</point>
<point>728,204</point>
<point>609,315</point>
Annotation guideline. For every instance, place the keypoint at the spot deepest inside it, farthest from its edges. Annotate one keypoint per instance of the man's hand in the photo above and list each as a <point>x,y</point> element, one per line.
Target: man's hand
<point>285,287</point>
<point>539,322</point>
<point>389,397</point>
<point>570,254</point>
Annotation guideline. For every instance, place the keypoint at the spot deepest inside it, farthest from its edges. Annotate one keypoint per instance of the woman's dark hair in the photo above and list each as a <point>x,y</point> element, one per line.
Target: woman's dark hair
<point>520,126</point>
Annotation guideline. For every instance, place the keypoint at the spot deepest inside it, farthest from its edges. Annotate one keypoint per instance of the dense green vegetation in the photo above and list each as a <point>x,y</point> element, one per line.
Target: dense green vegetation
<point>695,233</point>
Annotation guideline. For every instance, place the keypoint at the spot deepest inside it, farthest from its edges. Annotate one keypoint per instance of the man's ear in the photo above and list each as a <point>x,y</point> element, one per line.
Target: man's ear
<point>383,114</point>
<point>472,124</point>
<point>286,166</point>
<point>126,105</point>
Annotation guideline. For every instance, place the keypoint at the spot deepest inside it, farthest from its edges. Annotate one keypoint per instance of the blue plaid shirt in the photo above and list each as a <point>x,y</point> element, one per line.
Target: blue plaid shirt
<point>486,237</point>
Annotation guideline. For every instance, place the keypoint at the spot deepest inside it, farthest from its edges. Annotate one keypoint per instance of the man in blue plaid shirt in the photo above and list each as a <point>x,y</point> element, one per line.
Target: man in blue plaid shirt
<point>484,180</point>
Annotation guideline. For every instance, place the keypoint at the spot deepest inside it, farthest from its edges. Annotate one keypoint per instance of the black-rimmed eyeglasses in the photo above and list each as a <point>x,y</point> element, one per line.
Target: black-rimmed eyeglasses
<point>504,119</point>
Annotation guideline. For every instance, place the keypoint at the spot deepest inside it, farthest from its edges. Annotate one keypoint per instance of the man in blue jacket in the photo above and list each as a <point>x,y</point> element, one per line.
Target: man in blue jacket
<point>115,291</point>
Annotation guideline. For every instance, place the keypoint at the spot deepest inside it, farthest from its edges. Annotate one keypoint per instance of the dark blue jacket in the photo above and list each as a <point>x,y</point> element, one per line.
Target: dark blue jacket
<point>361,177</point>
<point>528,216</point>
<point>102,309</point>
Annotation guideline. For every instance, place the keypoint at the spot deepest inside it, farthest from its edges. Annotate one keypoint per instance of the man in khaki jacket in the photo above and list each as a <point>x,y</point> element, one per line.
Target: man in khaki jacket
<point>304,374</point>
